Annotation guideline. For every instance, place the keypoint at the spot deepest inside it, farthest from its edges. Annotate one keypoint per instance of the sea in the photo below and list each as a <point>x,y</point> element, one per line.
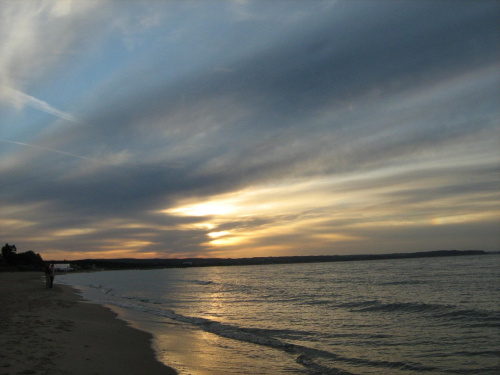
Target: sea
<point>402,316</point>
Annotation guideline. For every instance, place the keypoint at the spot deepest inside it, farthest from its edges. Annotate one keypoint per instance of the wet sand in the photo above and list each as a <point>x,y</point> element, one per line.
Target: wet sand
<point>53,331</point>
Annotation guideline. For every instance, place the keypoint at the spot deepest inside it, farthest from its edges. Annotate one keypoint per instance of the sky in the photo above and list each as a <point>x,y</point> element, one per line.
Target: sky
<point>177,129</point>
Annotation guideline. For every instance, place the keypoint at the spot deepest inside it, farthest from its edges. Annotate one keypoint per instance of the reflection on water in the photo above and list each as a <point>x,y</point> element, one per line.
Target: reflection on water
<point>196,352</point>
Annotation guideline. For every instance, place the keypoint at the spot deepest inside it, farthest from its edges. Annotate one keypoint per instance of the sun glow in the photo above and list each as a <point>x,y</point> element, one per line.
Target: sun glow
<point>319,212</point>
<point>457,219</point>
<point>215,208</point>
<point>254,216</point>
<point>218,234</point>
<point>73,232</point>
<point>277,199</point>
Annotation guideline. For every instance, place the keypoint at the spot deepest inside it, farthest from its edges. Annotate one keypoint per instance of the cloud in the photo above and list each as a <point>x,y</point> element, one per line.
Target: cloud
<point>313,135</point>
<point>38,35</point>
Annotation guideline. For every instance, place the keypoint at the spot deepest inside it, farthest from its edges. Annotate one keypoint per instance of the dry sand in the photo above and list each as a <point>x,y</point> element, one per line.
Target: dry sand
<point>53,331</point>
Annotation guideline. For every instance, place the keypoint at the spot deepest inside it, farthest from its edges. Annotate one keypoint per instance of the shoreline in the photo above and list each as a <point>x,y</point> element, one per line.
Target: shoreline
<point>55,331</point>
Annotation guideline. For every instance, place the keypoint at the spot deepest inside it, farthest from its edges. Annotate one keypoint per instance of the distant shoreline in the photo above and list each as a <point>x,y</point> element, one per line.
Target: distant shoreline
<point>130,263</point>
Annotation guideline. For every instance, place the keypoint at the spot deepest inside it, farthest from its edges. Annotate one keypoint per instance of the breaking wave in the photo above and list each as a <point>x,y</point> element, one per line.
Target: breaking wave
<point>306,356</point>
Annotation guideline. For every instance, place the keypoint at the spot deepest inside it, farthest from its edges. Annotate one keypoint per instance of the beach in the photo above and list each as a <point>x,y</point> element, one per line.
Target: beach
<point>54,331</point>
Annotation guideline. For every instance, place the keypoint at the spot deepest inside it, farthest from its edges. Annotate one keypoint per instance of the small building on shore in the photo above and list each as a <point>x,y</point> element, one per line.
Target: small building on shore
<point>63,267</point>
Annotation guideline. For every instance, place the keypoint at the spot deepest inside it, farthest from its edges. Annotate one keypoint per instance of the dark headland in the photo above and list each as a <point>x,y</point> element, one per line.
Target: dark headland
<point>128,263</point>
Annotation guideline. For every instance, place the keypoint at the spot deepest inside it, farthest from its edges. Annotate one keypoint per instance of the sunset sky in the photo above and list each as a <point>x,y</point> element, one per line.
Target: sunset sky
<point>249,128</point>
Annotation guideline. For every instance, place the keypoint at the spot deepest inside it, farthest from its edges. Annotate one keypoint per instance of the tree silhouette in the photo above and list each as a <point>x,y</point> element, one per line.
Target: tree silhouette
<point>9,253</point>
<point>28,260</point>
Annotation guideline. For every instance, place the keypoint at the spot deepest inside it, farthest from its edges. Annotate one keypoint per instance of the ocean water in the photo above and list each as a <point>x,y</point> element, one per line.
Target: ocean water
<point>405,316</point>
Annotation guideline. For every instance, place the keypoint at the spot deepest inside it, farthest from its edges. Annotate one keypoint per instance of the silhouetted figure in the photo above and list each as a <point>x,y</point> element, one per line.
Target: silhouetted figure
<point>49,276</point>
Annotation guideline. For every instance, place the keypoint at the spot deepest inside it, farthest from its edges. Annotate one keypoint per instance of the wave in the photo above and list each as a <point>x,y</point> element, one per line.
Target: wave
<point>403,307</point>
<point>101,289</point>
<point>377,306</point>
<point>448,312</point>
<point>490,353</point>
<point>443,312</point>
<point>203,282</point>
<point>409,282</point>
<point>470,314</point>
<point>319,361</point>
<point>110,292</point>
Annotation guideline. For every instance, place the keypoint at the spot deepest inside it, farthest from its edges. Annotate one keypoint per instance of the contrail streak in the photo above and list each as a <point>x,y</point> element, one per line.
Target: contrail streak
<point>51,150</point>
<point>20,99</point>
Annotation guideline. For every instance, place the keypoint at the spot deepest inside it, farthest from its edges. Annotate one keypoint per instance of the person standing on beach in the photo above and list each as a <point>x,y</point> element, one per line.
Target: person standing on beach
<point>49,276</point>
<point>52,275</point>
